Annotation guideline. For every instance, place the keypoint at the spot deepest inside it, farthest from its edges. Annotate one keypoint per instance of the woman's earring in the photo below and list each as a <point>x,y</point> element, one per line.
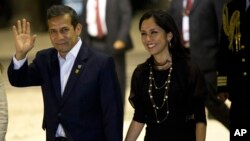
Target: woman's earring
<point>169,44</point>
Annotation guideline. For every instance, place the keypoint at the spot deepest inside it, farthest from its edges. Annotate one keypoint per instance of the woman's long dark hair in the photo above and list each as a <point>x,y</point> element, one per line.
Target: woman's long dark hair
<point>167,23</point>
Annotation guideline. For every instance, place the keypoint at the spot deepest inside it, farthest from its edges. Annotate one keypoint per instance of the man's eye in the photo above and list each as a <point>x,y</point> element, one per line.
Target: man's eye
<point>64,30</point>
<point>143,34</point>
<point>52,31</point>
<point>154,32</point>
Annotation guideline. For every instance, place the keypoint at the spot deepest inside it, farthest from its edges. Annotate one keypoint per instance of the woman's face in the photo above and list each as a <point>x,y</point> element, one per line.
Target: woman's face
<point>154,38</point>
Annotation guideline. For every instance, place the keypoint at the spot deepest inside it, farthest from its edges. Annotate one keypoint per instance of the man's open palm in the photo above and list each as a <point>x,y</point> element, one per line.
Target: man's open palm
<point>24,42</point>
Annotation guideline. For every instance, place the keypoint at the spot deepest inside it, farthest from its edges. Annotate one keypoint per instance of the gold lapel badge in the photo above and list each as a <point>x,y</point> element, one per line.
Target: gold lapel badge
<point>78,69</point>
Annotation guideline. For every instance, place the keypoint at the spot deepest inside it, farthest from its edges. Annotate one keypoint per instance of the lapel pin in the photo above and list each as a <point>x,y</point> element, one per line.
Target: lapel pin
<point>79,66</point>
<point>77,71</point>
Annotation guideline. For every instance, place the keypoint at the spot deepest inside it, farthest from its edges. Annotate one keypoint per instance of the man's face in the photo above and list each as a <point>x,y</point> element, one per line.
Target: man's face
<point>63,35</point>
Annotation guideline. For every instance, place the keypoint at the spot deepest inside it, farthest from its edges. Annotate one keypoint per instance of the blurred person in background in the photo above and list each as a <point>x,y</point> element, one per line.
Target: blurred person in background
<point>3,108</point>
<point>77,5</point>
<point>200,22</point>
<point>234,67</point>
<point>107,27</point>
<point>139,5</point>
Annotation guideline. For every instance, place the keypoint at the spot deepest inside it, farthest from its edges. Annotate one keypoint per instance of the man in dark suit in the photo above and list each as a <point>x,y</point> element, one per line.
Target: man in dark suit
<point>82,97</point>
<point>200,24</point>
<point>233,67</point>
<point>115,18</point>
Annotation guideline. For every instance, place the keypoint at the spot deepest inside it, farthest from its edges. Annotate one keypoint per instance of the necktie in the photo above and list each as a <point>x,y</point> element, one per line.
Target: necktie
<point>98,21</point>
<point>188,7</point>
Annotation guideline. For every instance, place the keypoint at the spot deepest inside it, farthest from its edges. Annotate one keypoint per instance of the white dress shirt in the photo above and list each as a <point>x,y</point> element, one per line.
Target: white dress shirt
<point>185,23</point>
<point>91,17</point>
<point>247,4</point>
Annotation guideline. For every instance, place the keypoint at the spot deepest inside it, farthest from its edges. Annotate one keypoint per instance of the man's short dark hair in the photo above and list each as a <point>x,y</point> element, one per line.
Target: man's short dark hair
<point>60,10</point>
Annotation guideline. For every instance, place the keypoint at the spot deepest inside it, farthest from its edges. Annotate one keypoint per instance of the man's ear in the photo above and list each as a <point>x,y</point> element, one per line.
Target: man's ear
<point>78,28</point>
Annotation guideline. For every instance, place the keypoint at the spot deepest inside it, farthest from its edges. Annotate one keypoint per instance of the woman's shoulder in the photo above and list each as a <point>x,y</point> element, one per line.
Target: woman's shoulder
<point>185,64</point>
<point>141,69</point>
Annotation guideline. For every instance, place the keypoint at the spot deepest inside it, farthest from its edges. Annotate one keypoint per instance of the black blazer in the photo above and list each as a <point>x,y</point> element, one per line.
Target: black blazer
<point>91,106</point>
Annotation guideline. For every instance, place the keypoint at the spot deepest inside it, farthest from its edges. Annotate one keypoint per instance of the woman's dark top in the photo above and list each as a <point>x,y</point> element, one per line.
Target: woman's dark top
<point>186,96</point>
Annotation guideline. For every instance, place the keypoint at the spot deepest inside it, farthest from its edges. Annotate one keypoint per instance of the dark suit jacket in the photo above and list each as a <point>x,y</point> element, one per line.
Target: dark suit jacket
<point>118,21</point>
<point>205,23</point>
<point>233,66</point>
<point>91,106</point>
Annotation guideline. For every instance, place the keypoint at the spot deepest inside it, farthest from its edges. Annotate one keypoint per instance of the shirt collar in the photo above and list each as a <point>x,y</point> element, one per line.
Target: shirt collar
<point>247,4</point>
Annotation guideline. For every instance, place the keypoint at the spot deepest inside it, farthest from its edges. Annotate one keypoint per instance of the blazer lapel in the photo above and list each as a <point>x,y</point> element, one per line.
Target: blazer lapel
<point>76,71</point>
<point>195,4</point>
<point>55,75</point>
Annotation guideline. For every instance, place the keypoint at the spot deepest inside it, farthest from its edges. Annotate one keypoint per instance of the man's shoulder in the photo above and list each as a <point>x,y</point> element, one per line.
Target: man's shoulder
<point>47,51</point>
<point>46,54</point>
<point>97,54</point>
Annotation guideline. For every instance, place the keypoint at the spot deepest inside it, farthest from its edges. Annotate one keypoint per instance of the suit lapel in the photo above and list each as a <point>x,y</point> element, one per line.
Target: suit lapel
<point>76,71</point>
<point>55,75</point>
<point>108,4</point>
<point>195,4</point>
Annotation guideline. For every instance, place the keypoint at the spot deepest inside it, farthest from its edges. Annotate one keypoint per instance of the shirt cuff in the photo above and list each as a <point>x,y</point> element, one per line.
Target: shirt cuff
<point>18,63</point>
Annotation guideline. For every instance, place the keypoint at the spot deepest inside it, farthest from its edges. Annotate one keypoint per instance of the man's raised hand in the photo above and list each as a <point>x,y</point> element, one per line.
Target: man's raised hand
<point>24,42</point>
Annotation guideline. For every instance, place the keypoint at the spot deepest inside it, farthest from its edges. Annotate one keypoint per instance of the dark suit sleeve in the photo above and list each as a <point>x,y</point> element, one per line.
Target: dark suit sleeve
<point>200,93</point>
<point>135,97</point>
<point>27,75</point>
<point>111,102</point>
<point>126,16</point>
